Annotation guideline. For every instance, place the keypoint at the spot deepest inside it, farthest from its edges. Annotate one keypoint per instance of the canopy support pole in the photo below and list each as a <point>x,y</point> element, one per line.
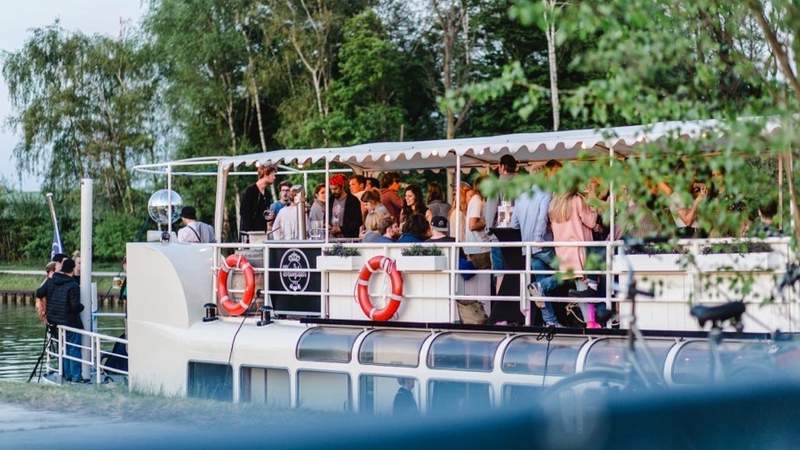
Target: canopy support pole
<point>219,203</point>
<point>454,256</point>
<point>327,198</point>
<point>169,200</point>
<point>612,233</point>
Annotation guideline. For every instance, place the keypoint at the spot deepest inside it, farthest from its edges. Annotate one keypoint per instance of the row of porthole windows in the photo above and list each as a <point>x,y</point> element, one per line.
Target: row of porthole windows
<point>451,351</point>
<point>331,390</point>
<point>378,394</point>
<point>525,354</point>
<point>387,394</point>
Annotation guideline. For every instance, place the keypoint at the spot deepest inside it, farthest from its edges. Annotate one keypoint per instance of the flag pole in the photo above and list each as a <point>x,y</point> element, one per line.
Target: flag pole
<point>57,246</point>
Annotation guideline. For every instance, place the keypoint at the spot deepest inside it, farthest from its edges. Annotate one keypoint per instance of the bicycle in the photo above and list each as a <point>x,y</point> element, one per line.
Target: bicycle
<point>636,374</point>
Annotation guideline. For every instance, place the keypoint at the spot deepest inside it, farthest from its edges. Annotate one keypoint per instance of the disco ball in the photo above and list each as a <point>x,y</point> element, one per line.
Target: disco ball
<point>158,203</point>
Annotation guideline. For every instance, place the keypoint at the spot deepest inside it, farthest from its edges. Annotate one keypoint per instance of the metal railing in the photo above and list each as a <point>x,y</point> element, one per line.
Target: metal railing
<point>92,355</point>
<point>452,250</point>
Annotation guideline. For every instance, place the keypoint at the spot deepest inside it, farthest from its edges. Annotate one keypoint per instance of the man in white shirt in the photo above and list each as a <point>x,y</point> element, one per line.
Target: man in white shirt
<point>194,231</point>
<point>287,225</point>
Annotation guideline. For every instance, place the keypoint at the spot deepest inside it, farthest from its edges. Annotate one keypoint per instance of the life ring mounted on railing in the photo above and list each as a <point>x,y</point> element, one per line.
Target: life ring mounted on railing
<point>387,265</point>
<point>241,263</point>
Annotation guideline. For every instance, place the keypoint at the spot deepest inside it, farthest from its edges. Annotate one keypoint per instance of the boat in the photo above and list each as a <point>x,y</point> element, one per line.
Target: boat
<point>303,340</point>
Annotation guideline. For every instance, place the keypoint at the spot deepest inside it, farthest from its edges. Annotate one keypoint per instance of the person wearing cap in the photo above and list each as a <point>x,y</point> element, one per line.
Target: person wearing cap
<point>344,209</point>
<point>64,308</point>
<point>440,227</point>
<point>255,206</point>
<point>194,231</point>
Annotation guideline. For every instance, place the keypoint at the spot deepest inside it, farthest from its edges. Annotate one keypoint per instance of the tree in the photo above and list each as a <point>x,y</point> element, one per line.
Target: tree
<point>85,106</point>
<point>203,59</point>
<point>677,61</point>
<point>366,99</point>
<point>452,18</point>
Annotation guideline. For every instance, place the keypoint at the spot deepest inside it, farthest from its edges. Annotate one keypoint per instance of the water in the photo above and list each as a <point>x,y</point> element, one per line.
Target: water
<point>22,337</point>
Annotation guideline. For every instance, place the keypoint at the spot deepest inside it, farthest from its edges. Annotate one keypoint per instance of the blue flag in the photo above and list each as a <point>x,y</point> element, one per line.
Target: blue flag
<point>57,247</point>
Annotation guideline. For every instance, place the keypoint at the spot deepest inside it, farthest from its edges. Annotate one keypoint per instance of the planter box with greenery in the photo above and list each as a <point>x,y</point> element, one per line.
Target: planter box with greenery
<point>715,258</point>
<point>418,258</point>
<point>340,258</point>
<point>669,262</point>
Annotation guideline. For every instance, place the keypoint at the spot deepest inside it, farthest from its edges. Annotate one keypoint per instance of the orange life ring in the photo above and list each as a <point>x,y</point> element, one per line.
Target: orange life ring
<point>236,262</point>
<point>387,265</point>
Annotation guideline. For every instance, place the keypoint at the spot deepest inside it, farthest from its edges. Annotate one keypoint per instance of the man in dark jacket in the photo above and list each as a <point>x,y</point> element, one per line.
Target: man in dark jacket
<point>344,210</point>
<point>255,206</point>
<point>64,308</point>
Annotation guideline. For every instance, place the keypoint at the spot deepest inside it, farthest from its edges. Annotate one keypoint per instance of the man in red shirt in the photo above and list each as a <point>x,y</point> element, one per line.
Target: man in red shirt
<point>389,186</point>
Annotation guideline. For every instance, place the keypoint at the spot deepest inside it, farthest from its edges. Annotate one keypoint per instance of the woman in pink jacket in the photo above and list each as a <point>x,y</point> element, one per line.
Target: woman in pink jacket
<point>572,220</point>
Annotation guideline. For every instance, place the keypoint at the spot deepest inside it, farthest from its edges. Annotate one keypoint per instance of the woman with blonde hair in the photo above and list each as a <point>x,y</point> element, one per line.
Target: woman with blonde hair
<point>572,220</point>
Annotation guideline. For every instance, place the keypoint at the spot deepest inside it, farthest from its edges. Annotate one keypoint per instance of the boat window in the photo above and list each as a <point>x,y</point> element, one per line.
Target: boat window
<point>209,380</point>
<point>464,351</point>
<point>327,344</point>
<point>323,391</point>
<point>392,348</point>
<point>608,353</point>
<point>521,395</point>
<point>740,360</point>
<point>388,396</point>
<point>458,396</point>
<point>529,355</point>
<point>265,386</point>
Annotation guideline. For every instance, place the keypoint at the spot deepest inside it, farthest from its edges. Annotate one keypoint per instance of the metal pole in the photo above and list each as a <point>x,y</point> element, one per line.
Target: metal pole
<point>86,265</point>
<point>219,204</point>
<point>455,255</point>
<point>612,233</point>
<point>327,198</point>
<point>780,191</point>
<point>169,201</point>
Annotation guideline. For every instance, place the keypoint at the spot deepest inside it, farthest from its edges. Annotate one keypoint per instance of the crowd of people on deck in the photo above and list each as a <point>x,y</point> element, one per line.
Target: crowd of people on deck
<point>386,210</point>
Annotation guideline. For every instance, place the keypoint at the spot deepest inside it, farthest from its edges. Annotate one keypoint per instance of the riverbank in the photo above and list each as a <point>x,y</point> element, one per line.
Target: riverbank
<point>115,402</point>
<point>17,282</point>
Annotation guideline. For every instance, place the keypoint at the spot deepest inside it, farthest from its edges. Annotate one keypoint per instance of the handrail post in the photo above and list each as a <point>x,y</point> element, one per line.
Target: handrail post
<point>523,283</point>
<point>453,277</point>
<point>97,360</point>
<point>61,352</point>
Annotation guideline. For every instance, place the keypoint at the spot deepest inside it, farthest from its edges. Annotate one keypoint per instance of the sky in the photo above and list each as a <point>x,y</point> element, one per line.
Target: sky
<point>16,23</point>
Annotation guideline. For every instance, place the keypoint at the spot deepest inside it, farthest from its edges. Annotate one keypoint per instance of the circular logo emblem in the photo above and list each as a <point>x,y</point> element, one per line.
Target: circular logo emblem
<point>292,279</point>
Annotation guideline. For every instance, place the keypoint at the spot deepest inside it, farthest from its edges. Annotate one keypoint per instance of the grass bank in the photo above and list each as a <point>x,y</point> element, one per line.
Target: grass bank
<point>114,401</point>
<point>10,282</point>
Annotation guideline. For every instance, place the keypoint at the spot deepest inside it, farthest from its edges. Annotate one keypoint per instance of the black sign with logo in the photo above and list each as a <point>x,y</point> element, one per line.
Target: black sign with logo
<point>294,281</point>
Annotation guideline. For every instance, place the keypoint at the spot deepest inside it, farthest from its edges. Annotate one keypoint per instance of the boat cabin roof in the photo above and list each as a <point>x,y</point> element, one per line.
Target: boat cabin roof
<point>478,151</point>
<point>473,152</point>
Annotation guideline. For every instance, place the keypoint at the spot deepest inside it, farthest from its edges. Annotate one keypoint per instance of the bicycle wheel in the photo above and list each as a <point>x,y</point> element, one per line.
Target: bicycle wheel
<point>575,404</point>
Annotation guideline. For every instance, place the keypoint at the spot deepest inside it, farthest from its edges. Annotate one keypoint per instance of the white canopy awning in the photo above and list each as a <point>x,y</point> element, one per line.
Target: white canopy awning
<point>437,154</point>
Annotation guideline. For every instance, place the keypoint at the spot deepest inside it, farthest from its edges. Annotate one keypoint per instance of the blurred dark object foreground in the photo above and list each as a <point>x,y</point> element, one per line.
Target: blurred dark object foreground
<point>744,417</point>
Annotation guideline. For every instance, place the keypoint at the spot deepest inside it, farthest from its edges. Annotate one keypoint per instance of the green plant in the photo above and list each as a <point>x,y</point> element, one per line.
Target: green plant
<point>341,251</point>
<point>419,250</point>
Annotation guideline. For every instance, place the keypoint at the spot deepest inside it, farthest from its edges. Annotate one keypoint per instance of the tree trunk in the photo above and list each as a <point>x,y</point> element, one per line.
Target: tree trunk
<point>551,59</point>
<point>789,170</point>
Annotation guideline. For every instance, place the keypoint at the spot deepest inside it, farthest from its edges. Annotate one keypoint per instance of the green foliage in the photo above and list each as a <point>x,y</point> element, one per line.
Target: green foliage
<point>111,232</point>
<point>341,251</point>
<point>420,250</point>
<point>85,107</point>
